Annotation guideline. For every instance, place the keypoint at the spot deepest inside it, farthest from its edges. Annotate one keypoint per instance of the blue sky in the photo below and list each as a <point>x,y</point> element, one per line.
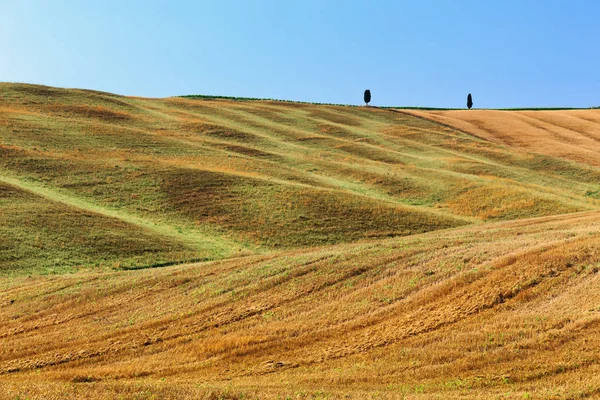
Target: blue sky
<point>408,53</point>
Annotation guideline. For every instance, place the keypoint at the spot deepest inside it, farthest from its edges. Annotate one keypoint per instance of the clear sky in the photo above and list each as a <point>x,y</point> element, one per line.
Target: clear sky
<point>509,53</point>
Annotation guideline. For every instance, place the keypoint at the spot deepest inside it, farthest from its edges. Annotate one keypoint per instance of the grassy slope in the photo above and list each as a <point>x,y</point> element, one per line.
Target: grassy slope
<point>217,178</point>
<point>569,134</point>
<point>508,309</point>
<point>60,238</point>
<point>330,287</point>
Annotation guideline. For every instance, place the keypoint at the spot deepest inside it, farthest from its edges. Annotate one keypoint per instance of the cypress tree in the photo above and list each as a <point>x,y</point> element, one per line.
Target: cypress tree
<point>469,101</point>
<point>367,96</point>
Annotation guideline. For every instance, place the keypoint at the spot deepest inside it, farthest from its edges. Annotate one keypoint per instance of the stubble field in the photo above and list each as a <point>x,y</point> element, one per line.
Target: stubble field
<point>191,248</point>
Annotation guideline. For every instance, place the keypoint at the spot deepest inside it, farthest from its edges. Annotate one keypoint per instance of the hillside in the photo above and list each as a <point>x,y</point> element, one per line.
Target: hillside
<point>569,134</point>
<point>190,248</point>
<point>505,310</point>
<point>209,179</point>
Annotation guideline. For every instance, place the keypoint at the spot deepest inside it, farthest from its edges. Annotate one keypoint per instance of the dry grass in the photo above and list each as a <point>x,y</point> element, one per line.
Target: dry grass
<point>503,308</point>
<point>569,134</point>
<point>340,264</point>
<point>497,201</point>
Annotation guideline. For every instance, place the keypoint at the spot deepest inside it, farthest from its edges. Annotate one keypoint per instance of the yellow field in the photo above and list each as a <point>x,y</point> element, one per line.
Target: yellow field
<point>187,248</point>
<point>570,134</point>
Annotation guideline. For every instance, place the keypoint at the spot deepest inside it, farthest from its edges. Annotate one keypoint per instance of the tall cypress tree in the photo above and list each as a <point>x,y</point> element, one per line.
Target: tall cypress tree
<point>367,96</point>
<point>469,101</point>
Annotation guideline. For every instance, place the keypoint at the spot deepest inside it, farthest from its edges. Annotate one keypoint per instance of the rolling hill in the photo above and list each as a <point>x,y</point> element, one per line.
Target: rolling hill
<point>568,134</point>
<point>190,248</point>
<point>210,179</point>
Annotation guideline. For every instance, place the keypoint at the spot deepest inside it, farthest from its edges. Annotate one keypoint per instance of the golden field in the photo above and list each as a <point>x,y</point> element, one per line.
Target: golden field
<point>205,248</point>
<point>569,134</point>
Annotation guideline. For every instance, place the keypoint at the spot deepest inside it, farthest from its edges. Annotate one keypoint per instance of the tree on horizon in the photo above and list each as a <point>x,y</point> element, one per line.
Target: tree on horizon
<point>367,96</point>
<point>469,101</point>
